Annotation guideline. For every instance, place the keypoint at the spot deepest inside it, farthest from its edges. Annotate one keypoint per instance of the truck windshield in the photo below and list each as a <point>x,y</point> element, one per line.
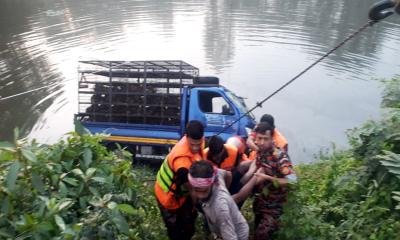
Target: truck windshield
<point>239,102</point>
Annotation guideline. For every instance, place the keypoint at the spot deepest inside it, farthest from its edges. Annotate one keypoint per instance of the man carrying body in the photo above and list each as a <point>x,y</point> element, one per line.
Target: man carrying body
<point>171,187</point>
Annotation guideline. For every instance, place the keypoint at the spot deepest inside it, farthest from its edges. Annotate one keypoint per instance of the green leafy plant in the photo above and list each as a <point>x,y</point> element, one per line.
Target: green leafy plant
<point>352,194</point>
<point>75,189</point>
<point>391,161</point>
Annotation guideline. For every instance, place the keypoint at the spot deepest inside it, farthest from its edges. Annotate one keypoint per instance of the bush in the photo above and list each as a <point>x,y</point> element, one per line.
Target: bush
<point>352,194</point>
<point>75,189</point>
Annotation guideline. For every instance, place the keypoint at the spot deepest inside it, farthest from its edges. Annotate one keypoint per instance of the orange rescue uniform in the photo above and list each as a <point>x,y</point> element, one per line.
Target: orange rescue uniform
<point>179,157</point>
<point>280,141</point>
<point>229,162</point>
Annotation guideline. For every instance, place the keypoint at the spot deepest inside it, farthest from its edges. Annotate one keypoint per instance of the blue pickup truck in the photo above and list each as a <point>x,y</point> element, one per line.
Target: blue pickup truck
<point>145,105</point>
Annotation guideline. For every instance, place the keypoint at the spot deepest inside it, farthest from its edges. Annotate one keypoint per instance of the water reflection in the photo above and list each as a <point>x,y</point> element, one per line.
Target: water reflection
<point>24,65</point>
<point>253,45</point>
<point>219,35</point>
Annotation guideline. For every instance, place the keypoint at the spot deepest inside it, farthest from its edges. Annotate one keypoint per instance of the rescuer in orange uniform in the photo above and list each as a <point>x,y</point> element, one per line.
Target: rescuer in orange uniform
<point>171,187</point>
<point>228,157</point>
<point>279,140</point>
<point>223,156</point>
<point>241,146</point>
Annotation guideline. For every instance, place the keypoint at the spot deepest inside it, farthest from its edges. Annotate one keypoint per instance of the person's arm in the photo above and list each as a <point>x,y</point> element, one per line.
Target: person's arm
<point>249,173</point>
<point>245,191</point>
<point>182,164</point>
<point>226,176</point>
<point>265,177</point>
<point>286,169</point>
<point>181,179</point>
<point>228,179</point>
<point>244,166</point>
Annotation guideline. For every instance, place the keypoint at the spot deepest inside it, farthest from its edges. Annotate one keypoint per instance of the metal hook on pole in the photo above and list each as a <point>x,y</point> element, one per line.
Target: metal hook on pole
<point>384,9</point>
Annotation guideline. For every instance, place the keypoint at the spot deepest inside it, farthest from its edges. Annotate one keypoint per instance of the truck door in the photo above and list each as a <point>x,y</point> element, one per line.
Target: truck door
<point>214,110</point>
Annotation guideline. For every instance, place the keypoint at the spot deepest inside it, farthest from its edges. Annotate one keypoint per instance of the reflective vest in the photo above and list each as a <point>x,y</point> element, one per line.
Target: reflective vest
<point>165,187</point>
<point>280,141</point>
<point>229,162</point>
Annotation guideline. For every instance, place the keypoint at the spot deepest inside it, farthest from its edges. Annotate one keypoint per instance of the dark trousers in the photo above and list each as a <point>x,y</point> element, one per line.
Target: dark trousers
<point>267,214</point>
<point>180,223</point>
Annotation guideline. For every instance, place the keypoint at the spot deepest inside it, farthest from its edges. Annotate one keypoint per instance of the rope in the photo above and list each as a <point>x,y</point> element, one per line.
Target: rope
<point>48,86</point>
<point>32,90</point>
<point>259,104</point>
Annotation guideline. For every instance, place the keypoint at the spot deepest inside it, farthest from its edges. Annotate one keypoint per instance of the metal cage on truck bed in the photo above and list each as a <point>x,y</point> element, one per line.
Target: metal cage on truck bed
<point>133,92</point>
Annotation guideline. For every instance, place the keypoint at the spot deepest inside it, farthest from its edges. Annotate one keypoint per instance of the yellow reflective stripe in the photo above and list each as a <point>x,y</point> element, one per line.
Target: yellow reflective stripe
<point>161,182</point>
<point>166,170</point>
<point>142,140</point>
<point>165,176</point>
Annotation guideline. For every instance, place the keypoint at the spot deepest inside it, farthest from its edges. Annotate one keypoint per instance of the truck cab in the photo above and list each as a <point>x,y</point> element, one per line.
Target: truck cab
<point>145,105</point>
<point>217,108</point>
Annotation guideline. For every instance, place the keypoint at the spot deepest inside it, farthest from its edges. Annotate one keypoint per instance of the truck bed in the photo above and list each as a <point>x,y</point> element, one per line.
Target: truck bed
<point>135,92</point>
<point>137,133</point>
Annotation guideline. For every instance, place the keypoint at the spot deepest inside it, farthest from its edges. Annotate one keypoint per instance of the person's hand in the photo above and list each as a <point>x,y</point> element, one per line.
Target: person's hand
<point>253,167</point>
<point>250,173</point>
<point>261,177</point>
<point>256,176</point>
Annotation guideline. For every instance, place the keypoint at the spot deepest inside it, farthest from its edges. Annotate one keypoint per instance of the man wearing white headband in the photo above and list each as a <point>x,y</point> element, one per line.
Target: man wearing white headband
<point>209,191</point>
